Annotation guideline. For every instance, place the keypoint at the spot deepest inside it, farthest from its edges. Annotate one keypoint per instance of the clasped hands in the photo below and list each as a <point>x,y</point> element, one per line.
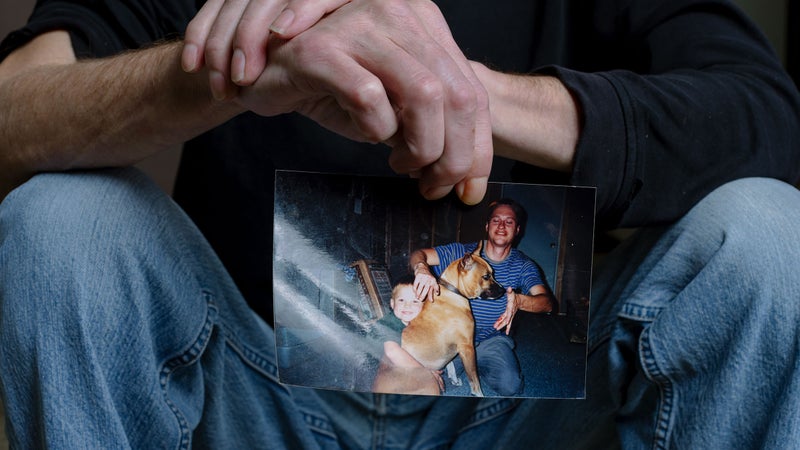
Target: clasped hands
<point>371,70</point>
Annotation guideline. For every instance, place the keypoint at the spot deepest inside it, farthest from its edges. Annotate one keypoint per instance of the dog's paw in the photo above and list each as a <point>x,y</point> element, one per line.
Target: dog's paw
<point>452,375</point>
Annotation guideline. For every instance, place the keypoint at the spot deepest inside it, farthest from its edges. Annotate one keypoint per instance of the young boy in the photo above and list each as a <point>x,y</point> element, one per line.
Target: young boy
<point>405,306</point>
<point>399,372</point>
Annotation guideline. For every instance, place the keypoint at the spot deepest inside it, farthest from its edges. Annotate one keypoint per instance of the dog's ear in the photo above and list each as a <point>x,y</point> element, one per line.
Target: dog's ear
<point>466,262</point>
<point>477,251</point>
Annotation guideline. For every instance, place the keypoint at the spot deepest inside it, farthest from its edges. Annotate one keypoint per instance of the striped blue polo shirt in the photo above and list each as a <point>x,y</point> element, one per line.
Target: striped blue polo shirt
<point>517,271</point>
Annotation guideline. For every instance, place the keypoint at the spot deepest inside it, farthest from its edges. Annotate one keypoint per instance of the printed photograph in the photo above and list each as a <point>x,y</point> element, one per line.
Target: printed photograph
<point>378,290</point>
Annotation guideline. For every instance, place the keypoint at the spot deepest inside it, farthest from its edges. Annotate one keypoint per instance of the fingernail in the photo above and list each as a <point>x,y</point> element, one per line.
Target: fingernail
<point>217,84</point>
<point>282,22</point>
<point>189,58</point>
<point>237,66</point>
<point>471,191</point>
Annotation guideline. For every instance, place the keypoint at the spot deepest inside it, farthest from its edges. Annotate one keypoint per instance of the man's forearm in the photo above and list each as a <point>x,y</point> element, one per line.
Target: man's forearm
<point>535,303</point>
<point>534,118</point>
<point>417,260</point>
<point>100,113</point>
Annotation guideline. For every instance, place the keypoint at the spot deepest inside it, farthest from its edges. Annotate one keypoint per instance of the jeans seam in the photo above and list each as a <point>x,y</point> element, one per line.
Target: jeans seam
<point>253,358</point>
<point>666,390</point>
<point>261,364</point>
<point>319,425</point>
<point>185,358</point>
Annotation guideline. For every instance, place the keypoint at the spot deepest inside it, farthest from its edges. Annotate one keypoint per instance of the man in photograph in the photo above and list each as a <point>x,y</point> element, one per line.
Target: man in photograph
<point>526,290</point>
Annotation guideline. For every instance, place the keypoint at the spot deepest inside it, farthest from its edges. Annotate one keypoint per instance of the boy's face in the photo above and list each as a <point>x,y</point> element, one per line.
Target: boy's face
<point>405,304</point>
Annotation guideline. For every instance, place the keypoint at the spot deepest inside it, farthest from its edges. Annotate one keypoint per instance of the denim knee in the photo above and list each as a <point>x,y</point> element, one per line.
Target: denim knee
<point>63,216</point>
<point>734,253</point>
<point>720,303</point>
<point>86,236</point>
<point>498,367</point>
<point>757,223</point>
<point>99,289</point>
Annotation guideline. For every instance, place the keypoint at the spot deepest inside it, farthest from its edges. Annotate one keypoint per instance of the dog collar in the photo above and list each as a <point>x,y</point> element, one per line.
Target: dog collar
<point>447,285</point>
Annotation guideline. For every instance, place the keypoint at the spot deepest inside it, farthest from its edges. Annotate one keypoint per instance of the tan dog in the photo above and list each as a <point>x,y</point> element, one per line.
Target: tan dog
<point>445,327</point>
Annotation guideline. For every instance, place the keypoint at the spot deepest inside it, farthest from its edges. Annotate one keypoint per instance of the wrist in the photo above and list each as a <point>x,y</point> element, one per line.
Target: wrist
<point>194,87</point>
<point>535,118</point>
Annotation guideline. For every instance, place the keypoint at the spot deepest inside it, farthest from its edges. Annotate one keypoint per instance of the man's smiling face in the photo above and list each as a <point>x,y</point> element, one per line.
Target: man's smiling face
<point>502,228</point>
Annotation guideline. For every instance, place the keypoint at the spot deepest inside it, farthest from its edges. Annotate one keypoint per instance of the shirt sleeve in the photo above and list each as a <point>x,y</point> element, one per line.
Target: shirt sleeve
<point>695,98</point>
<point>530,276</point>
<point>101,28</point>
<point>448,253</point>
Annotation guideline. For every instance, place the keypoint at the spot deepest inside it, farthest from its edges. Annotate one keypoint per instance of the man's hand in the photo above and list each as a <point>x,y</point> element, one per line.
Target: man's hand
<point>538,300</point>
<point>437,376</point>
<point>511,310</point>
<point>387,71</point>
<point>425,285</point>
<point>230,37</point>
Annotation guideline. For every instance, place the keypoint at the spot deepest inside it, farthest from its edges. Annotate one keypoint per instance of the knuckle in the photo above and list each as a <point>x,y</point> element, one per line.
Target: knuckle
<point>367,95</point>
<point>216,52</point>
<point>462,97</point>
<point>377,133</point>
<point>194,29</point>
<point>246,30</point>
<point>451,170</point>
<point>426,89</point>
<point>198,27</point>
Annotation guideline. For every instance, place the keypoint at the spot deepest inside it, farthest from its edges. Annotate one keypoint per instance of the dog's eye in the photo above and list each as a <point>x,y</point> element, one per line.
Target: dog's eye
<point>487,276</point>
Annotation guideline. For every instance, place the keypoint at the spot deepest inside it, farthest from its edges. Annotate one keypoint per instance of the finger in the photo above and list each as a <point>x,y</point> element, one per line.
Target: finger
<point>457,156</point>
<point>423,288</point>
<point>429,90</point>
<point>423,82</point>
<point>439,380</point>
<point>218,48</point>
<point>422,291</point>
<point>300,15</point>
<point>360,126</point>
<point>417,94</point>
<point>434,291</point>
<point>427,294</point>
<point>196,34</point>
<point>358,92</point>
<point>500,322</point>
<point>324,84</point>
<point>472,187</point>
<point>249,55</point>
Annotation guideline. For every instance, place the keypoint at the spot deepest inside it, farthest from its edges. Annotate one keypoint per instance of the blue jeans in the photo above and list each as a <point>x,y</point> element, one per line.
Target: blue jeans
<point>498,367</point>
<point>120,328</point>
